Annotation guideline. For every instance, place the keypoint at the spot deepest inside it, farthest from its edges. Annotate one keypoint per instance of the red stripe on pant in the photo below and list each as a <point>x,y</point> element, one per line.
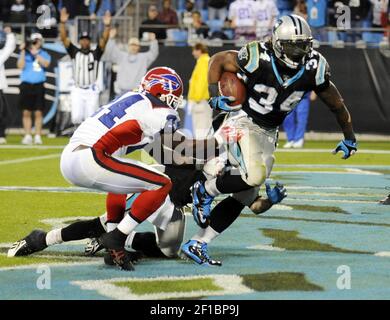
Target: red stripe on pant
<point>147,202</point>
<point>128,169</point>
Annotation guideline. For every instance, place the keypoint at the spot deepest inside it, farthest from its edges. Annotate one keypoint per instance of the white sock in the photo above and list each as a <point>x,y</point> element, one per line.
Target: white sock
<point>211,187</point>
<point>205,235</point>
<point>53,237</point>
<point>127,224</point>
<point>111,226</point>
<point>129,241</point>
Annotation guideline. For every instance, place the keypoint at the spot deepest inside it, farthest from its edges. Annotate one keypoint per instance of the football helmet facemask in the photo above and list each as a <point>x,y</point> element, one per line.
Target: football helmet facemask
<point>292,40</point>
<point>165,84</point>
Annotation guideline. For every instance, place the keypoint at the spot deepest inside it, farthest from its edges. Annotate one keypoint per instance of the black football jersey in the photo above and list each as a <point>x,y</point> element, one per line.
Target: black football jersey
<point>273,91</point>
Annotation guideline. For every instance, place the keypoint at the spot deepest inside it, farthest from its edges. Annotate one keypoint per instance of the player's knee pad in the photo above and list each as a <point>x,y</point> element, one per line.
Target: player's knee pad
<point>255,176</point>
<point>170,239</point>
<point>269,163</point>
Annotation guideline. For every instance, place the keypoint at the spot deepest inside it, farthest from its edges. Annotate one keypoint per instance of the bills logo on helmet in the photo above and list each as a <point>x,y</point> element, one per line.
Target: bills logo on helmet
<point>168,81</point>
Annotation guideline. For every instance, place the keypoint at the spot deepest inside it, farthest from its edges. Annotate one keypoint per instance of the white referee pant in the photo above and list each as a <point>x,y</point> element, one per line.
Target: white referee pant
<point>85,101</point>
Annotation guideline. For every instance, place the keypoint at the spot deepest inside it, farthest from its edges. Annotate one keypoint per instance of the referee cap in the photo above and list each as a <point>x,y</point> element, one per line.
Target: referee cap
<point>84,35</point>
<point>36,36</point>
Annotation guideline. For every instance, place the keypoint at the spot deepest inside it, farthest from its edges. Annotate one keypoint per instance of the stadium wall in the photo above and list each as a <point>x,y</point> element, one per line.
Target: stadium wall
<point>362,76</point>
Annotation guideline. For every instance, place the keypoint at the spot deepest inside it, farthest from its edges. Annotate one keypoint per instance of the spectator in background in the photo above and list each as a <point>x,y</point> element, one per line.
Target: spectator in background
<point>242,14</point>
<point>75,7</point>
<point>18,12</point>
<point>33,61</point>
<point>316,17</point>
<point>6,49</point>
<point>132,65</point>
<point>300,9</point>
<point>152,20</point>
<point>198,93</point>
<point>168,15</point>
<point>295,123</point>
<point>379,13</point>
<point>266,13</point>
<point>100,7</point>
<point>217,9</point>
<point>198,27</point>
<point>186,16</point>
<point>285,6</point>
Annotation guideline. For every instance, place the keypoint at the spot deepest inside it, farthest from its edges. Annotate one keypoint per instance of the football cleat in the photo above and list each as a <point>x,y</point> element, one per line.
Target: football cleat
<point>385,201</point>
<point>92,247</point>
<point>197,252</point>
<point>201,204</point>
<point>114,241</point>
<point>121,258</point>
<point>34,242</point>
<point>133,255</point>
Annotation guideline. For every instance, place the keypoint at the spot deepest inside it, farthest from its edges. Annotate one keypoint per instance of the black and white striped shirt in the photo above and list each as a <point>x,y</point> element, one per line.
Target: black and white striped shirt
<point>85,65</point>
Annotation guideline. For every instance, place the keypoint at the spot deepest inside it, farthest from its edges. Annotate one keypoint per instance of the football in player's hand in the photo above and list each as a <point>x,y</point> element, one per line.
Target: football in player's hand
<point>231,86</point>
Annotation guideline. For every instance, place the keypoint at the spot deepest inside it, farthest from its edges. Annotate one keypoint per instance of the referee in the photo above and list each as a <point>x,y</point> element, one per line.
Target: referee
<point>85,93</point>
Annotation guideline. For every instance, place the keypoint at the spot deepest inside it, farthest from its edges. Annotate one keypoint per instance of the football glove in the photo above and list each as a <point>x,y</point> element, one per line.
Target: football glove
<point>349,147</point>
<point>277,194</point>
<point>227,135</point>
<point>221,103</point>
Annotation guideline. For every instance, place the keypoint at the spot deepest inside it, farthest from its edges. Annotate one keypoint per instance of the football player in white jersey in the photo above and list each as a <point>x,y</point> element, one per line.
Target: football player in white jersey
<point>130,122</point>
<point>266,13</point>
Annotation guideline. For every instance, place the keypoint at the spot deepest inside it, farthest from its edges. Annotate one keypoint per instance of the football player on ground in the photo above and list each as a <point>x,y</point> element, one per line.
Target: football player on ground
<point>131,122</point>
<point>163,243</point>
<point>277,74</point>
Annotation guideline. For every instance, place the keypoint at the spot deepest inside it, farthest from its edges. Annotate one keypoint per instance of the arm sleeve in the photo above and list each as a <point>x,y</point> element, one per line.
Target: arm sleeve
<point>322,77</point>
<point>97,53</point>
<point>248,58</point>
<point>9,47</point>
<point>72,50</point>
<point>152,54</point>
<point>112,51</point>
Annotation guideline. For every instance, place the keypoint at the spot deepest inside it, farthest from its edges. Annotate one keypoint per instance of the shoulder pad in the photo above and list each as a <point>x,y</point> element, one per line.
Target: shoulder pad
<point>248,57</point>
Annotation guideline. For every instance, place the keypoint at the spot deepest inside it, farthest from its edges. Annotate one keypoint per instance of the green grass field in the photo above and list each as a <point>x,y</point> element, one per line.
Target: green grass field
<point>24,207</point>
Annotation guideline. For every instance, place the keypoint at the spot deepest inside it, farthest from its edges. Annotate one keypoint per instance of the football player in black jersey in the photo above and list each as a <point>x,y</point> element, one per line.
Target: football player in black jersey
<point>277,74</point>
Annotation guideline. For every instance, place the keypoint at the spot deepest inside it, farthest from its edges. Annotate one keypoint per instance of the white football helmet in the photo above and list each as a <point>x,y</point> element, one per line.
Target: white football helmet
<point>292,40</point>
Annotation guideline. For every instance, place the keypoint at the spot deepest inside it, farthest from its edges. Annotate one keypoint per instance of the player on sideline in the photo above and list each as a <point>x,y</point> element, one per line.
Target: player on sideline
<point>131,122</point>
<point>277,74</point>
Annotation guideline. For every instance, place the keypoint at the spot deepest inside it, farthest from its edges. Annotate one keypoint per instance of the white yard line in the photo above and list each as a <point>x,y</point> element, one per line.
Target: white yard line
<point>50,189</point>
<point>23,160</point>
<point>329,151</point>
<point>230,284</point>
<point>17,146</point>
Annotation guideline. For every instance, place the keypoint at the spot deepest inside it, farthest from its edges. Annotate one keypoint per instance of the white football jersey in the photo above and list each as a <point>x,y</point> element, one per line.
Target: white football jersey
<point>243,12</point>
<point>132,120</point>
<point>266,11</point>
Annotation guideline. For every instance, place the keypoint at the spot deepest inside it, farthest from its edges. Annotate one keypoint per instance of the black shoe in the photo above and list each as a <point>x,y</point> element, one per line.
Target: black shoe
<point>34,242</point>
<point>385,201</point>
<point>113,240</point>
<point>121,258</point>
<point>133,255</point>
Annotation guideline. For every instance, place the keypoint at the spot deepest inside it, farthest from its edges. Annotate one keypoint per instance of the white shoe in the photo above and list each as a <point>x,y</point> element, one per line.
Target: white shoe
<point>3,140</point>
<point>27,139</point>
<point>51,135</point>
<point>288,145</point>
<point>37,139</point>
<point>298,144</point>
